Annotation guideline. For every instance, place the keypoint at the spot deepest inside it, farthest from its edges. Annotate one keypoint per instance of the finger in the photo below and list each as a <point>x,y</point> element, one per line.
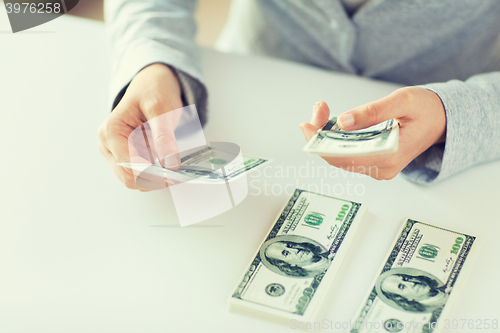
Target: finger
<point>154,182</point>
<point>352,163</point>
<point>373,113</point>
<point>127,178</point>
<point>321,112</point>
<point>115,138</point>
<point>106,144</point>
<point>161,122</point>
<point>309,130</point>
<point>370,171</point>
<point>146,184</point>
<point>384,166</point>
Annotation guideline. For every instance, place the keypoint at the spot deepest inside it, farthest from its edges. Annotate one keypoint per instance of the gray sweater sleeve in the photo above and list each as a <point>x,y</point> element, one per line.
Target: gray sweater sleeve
<point>155,31</point>
<point>473,129</point>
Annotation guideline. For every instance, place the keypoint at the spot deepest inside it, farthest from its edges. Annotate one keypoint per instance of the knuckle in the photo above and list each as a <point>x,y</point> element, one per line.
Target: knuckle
<point>384,164</point>
<point>129,182</point>
<point>112,126</point>
<point>101,132</point>
<point>388,175</point>
<point>154,106</point>
<point>407,95</point>
<point>158,105</point>
<point>391,176</point>
<point>373,172</point>
<point>165,140</point>
<point>101,148</point>
<point>392,162</point>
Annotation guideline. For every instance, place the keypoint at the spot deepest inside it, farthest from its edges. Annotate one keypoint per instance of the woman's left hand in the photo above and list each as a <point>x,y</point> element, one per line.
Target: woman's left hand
<point>422,123</point>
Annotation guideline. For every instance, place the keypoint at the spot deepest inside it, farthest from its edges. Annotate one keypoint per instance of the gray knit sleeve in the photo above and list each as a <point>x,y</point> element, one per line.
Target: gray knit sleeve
<point>142,32</point>
<point>473,129</point>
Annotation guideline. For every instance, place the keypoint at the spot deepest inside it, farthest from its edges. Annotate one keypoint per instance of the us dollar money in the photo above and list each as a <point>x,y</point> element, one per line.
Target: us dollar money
<point>206,164</point>
<point>331,140</point>
<point>294,266</point>
<point>211,164</point>
<point>417,284</point>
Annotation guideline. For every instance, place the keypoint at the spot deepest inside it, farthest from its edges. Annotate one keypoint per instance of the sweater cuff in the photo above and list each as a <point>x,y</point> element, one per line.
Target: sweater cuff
<point>469,127</point>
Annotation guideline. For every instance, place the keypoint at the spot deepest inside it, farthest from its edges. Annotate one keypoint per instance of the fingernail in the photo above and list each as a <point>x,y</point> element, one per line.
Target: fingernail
<point>171,162</point>
<point>315,108</point>
<point>346,120</point>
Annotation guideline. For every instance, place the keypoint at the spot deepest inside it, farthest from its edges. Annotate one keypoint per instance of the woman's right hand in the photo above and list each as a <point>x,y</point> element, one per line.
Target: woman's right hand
<point>153,92</point>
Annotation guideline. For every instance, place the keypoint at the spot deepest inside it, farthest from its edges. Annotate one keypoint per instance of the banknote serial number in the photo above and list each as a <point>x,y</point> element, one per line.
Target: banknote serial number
<point>34,8</point>
<point>471,324</point>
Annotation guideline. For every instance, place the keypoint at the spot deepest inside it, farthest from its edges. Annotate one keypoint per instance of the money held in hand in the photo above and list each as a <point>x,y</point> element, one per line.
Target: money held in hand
<point>418,282</point>
<point>331,140</point>
<point>203,165</point>
<point>291,272</point>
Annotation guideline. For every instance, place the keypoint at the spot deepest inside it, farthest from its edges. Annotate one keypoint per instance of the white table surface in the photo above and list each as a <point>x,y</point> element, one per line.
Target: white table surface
<point>81,253</point>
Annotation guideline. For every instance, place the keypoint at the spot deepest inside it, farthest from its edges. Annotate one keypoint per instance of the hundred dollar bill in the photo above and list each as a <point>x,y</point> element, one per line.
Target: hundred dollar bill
<point>418,282</point>
<point>331,140</point>
<point>291,272</point>
<point>203,165</point>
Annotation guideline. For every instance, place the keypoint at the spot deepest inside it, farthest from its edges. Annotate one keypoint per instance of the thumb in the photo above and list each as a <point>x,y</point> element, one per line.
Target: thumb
<point>321,112</point>
<point>162,139</point>
<point>318,120</point>
<point>372,113</point>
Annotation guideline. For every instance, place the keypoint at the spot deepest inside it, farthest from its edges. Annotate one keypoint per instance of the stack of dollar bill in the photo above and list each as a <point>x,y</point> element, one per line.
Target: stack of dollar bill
<point>289,275</point>
<point>418,282</point>
<point>331,140</point>
<point>291,272</point>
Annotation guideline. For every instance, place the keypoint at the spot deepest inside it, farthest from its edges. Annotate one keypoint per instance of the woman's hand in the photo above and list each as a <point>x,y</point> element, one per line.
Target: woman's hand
<point>422,123</point>
<point>153,92</point>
